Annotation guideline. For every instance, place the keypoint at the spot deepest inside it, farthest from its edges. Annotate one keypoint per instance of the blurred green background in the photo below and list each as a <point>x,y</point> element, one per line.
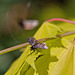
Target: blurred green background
<point>41,10</point>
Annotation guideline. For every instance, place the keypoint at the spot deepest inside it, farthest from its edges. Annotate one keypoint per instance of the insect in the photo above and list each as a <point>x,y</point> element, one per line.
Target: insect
<point>28,24</point>
<point>33,42</point>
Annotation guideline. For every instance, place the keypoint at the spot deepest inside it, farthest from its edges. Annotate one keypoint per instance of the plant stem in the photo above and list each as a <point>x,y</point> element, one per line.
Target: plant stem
<point>13,48</point>
<point>60,19</point>
<point>25,44</point>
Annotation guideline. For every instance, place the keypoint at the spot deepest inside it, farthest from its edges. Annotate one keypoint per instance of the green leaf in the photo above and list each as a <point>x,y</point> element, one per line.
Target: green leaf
<point>66,55</point>
<point>47,30</point>
<point>56,60</point>
<point>16,67</point>
<point>30,61</point>
<point>66,27</point>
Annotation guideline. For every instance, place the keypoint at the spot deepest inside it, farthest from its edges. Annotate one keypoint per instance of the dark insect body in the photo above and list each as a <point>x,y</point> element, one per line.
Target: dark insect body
<point>33,42</point>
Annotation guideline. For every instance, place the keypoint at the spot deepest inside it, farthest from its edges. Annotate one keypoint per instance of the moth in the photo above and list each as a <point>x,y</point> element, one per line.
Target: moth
<point>33,42</point>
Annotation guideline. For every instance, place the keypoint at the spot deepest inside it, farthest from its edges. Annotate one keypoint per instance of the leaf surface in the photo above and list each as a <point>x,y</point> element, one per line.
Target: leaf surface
<point>58,59</point>
<point>66,27</point>
<point>66,61</point>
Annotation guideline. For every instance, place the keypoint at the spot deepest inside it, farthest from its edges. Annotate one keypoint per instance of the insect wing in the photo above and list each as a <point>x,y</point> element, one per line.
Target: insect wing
<point>31,40</point>
<point>41,45</point>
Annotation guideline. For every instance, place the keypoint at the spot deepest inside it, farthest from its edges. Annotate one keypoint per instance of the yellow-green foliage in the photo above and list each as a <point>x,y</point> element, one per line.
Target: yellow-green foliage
<point>58,59</point>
